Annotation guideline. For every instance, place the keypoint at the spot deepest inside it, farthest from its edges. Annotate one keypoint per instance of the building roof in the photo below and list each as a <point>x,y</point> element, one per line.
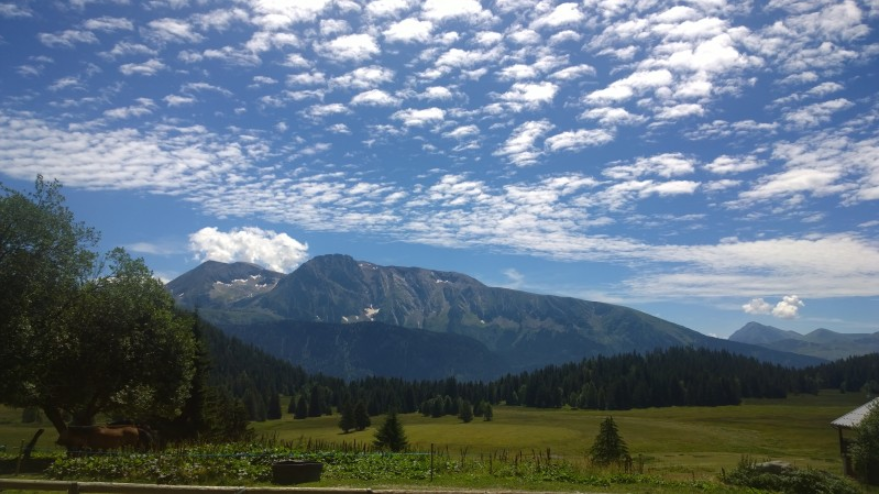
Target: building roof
<point>854,418</point>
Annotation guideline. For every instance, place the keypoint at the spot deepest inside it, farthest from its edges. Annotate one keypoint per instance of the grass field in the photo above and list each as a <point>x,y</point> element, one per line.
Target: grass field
<point>671,441</point>
<point>674,443</point>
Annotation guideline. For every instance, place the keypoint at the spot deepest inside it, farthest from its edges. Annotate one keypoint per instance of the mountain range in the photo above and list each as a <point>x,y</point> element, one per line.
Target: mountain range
<point>352,319</point>
<point>822,343</point>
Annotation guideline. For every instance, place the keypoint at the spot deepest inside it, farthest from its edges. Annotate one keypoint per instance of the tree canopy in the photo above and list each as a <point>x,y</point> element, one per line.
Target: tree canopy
<point>865,450</point>
<point>83,333</point>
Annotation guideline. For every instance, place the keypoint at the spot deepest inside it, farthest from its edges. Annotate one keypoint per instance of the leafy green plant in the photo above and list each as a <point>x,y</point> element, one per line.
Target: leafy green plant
<point>749,473</point>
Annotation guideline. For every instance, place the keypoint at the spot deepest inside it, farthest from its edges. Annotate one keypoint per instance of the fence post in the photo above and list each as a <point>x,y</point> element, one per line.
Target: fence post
<point>20,453</point>
<point>431,462</point>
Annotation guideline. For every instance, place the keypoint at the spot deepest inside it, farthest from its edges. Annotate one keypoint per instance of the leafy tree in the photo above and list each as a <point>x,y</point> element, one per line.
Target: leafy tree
<point>347,422</point>
<point>361,417</point>
<point>79,340</point>
<point>390,436</point>
<point>45,257</point>
<point>465,412</point>
<point>865,450</point>
<point>609,447</point>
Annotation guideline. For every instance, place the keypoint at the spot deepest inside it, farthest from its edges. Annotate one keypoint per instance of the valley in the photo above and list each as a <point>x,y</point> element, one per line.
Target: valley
<point>674,447</point>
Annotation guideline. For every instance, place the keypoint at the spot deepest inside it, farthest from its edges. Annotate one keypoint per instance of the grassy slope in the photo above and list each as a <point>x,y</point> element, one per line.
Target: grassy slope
<point>678,443</point>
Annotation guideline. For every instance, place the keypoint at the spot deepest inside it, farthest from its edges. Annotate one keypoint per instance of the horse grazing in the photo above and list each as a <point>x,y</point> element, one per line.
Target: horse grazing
<point>102,438</point>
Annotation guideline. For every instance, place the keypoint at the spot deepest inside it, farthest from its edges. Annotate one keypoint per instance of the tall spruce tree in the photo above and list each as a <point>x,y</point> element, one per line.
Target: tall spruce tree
<point>347,422</point>
<point>361,416</point>
<point>609,447</point>
<point>301,408</point>
<point>273,408</point>
<point>390,436</point>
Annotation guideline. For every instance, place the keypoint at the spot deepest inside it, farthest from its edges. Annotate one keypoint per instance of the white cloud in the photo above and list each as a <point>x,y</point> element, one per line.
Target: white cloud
<point>578,140</point>
<point>463,132</point>
<point>573,72</point>
<point>375,97</point>
<point>787,308</point>
<point>408,31</point>
<point>349,48</point>
<point>465,10</point>
<point>174,31</point>
<point>436,93</point>
<point>563,14</point>
<point>665,165</point>
<point>757,306</point>
<point>368,77</point>
<point>525,37</point>
<point>148,68</point>
<point>815,114</point>
<point>419,118</point>
<point>109,24</point>
<point>11,11</point>
<point>388,8</point>
<point>529,95</point>
<point>734,164</point>
<point>520,147</point>
<point>272,250</point>
<point>613,116</point>
<point>276,15</point>
<point>321,111</point>
<point>67,38</point>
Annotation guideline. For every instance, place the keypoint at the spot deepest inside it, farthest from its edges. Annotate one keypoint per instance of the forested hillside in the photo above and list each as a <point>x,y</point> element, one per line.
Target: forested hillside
<point>671,377</point>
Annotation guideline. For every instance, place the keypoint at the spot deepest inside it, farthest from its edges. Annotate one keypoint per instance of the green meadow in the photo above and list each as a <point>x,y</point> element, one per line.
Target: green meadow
<point>677,444</point>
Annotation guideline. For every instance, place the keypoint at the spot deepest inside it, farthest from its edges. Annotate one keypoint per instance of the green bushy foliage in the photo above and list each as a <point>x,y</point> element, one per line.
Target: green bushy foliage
<point>789,481</point>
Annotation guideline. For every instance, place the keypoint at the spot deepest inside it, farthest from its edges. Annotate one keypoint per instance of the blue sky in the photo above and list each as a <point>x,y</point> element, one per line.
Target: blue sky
<point>711,162</point>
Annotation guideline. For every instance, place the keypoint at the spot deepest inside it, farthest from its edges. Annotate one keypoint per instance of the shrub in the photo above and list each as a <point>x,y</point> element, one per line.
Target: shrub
<point>749,473</point>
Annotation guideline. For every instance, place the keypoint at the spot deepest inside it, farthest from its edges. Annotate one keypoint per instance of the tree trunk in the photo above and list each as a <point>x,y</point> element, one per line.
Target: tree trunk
<point>54,416</point>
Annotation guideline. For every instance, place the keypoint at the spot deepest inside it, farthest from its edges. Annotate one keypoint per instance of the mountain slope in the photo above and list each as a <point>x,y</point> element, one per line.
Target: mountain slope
<point>339,289</point>
<point>822,343</point>
<point>520,331</point>
<point>217,284</point>
<point>353,351</point>
<point>755,333</point>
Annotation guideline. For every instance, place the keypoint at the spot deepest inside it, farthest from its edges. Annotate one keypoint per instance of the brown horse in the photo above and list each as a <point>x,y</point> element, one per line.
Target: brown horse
<point>102,438</point>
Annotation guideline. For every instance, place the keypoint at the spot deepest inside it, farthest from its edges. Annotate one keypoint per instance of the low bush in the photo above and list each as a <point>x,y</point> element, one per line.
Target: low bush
<point>750,473</point>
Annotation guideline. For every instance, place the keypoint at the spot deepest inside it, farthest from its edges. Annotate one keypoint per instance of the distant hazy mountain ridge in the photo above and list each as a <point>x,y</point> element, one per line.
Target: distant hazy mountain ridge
<point>822,343</point>
<point>518,330</point>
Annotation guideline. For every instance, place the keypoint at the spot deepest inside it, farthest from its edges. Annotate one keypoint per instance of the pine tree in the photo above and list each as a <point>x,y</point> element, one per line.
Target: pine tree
<point>301,408</point>
<point>316,402</point>
<point>347,422</point>
<point>390,436</point>
<point>465,412</point>
<point>273,409</point>
<point>609,447</point>
<point>361,417</point>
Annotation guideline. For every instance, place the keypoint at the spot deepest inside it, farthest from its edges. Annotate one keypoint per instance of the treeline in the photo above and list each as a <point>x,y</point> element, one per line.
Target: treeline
<point>680,376</point>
